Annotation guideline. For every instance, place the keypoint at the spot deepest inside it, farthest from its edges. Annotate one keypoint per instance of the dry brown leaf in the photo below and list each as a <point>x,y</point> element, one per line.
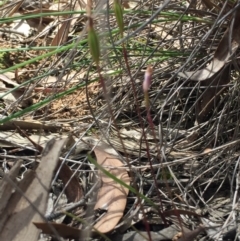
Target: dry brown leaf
<point>73,190</point>
<point>125,4</point>
<point>222,55</point>
<point>64,29</point>
<point>20,214</point>
<point>62,33</point>
<point>112,196</point>
<point>6,188</point>
<point>30,125</point>
<point>14,201</point>
<point>211,95</point>
<point>211,75</point>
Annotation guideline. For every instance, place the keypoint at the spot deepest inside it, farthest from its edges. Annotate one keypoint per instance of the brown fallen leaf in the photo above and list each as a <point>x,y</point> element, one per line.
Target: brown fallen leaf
<point>125,4</point>
<point>30,125</point>
<point>222,55</point>
<point>62,33</point>
<point>73,189</point>
<point>112,196</point>
<point>29,202</point>
<point>211,95</point>
<point>212,75</point>
<point>6,188</point>
<point>64,28</point>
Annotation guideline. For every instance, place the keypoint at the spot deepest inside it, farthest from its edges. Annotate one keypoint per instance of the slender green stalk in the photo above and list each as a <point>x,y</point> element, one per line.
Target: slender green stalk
<point>170,15</point>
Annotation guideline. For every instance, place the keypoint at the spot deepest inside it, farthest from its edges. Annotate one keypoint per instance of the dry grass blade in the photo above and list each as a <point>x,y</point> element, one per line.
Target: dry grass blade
<point>178,212</point>
<point>15,8</point>
<point>111,196</point>
<point>29,124</point>
<point>29,202</point>
<point>222,55</point>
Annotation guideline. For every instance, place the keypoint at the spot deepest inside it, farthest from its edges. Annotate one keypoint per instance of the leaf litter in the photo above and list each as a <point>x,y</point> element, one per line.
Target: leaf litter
<point>136,145</point>
<point>223,54</point>
<point>212,76</point>
<point>30,199</point>
<point>112,196</point>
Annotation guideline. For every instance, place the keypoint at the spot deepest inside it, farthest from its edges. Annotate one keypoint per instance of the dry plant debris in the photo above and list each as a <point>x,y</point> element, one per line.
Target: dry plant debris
<point>73,190</point>
<point>225,50</point>
<point>188,236</point>
<point>29,200</point>
<point>187,162</point>
<point>112,196</point>
<point>62,230</point>
<point>211,75</point>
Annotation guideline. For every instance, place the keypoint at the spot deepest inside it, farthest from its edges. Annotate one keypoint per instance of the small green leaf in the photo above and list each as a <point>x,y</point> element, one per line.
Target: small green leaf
<point>93,42</point>
<point>117,7</point>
